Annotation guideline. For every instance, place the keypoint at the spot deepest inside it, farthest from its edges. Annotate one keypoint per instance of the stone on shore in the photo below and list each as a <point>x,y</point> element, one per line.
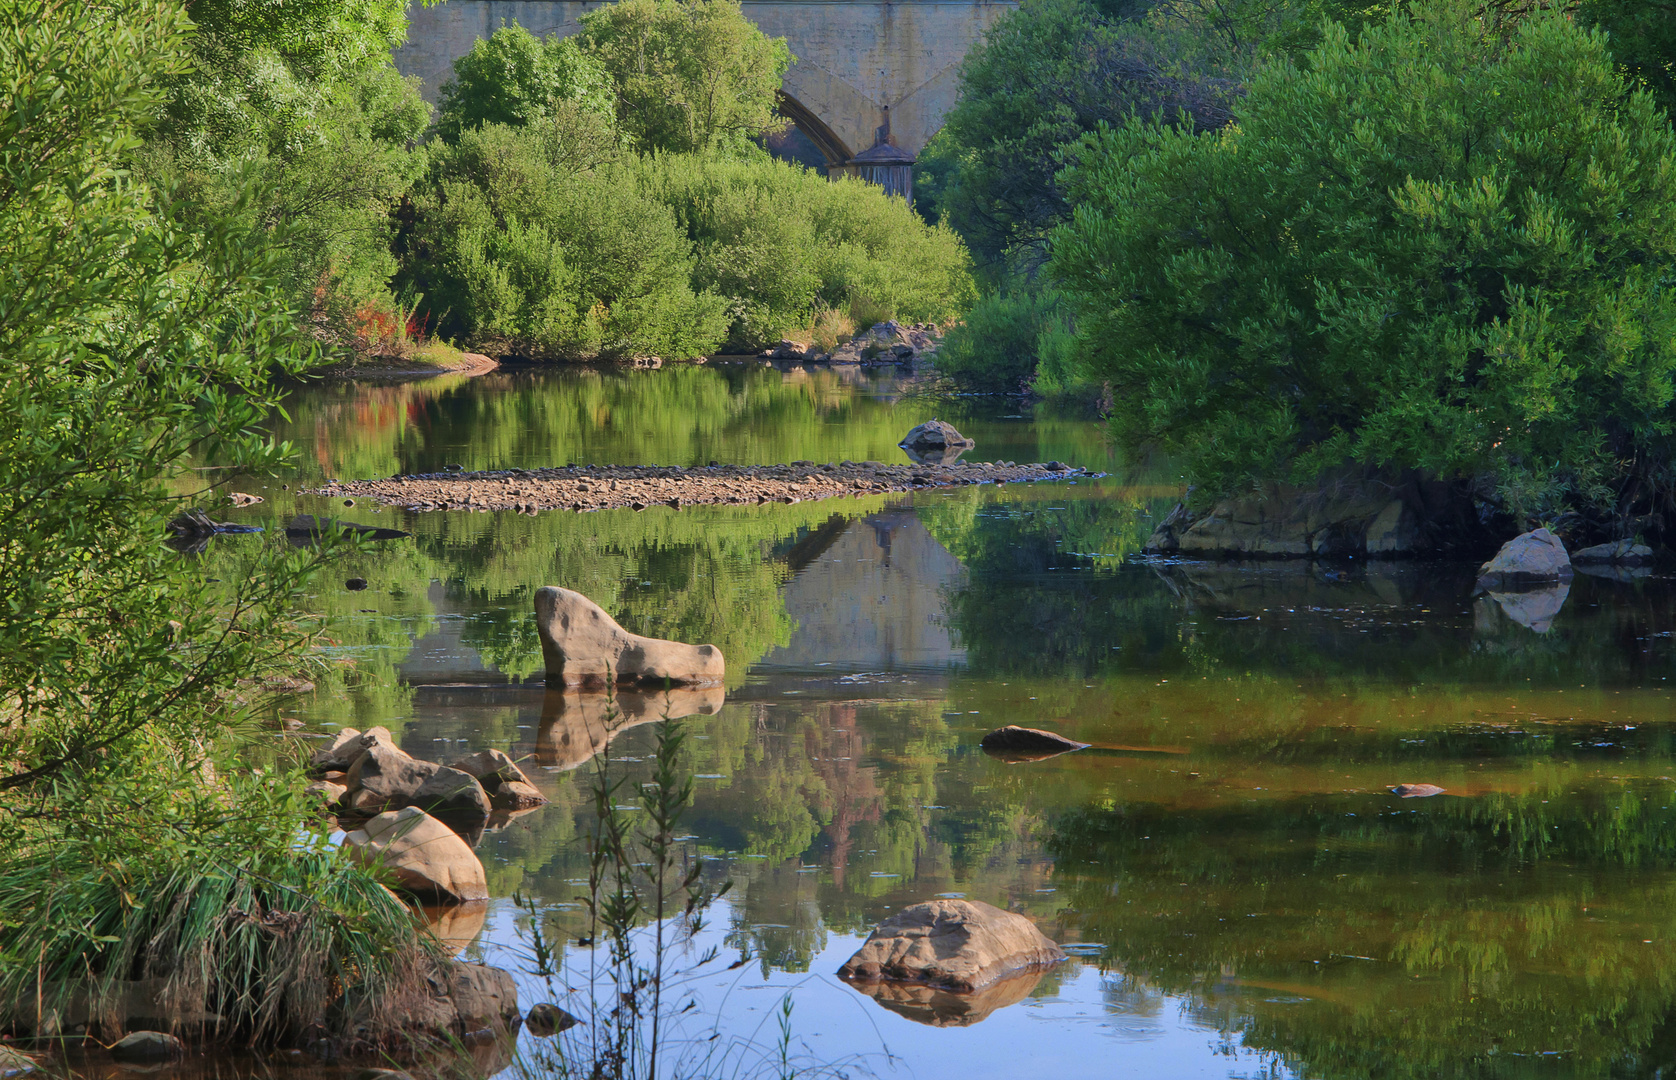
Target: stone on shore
<point>1027,744</point>
<point>423,855</point>
<point>959,945</point>
<point>1624,552</point>
<point>148,1046</point>
<point>505,784</point>
<point>1534,559</point>
<point>583,645</point>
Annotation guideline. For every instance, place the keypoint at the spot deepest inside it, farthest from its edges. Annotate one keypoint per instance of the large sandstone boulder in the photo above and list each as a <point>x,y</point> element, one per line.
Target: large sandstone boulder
<point>934,437</point>
<point>1534,559</point>
<point>424,856</point>
<point>959,945</point>
<point>451,792</point>
<point>505,784</point>
<point>341,752</point>
<point>576,725</point>
<point>583,645</point>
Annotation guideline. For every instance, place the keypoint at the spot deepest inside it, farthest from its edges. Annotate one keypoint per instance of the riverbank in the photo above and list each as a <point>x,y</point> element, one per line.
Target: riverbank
<point>592,487</point>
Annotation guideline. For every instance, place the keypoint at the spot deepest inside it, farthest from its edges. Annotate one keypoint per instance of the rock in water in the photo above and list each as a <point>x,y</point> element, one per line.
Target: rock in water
<point>1624,552</point>
<point>1027,744</point>
<point>507,786</point>
<point>583,645</point>
<point>1536,558</point>
<point>384,776</point>
<point>547,1019</point>
<point>425,856</point>
<point>934,436</point>
<point>451,791</point>
<point>148,1046</point>
<point>1416,791</point>
<point>959,945</point>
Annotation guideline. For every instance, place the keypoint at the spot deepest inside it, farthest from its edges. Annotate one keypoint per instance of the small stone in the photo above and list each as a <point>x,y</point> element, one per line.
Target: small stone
<point>355,584</point>
<point>148,1046</point>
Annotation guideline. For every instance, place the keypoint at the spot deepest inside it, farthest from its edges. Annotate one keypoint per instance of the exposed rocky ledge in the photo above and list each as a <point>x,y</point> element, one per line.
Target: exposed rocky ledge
<point>608,487</point>
<point>1368,517</point>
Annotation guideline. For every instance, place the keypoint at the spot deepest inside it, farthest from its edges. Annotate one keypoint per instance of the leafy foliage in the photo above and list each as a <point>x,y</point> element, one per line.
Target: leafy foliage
<point>518,245</point>
<point>1425,249</point>
<point>997,347</point>
<point>688,75</point>
<point>780,242</point>
<point>126,344</point>
<point>511,77</point>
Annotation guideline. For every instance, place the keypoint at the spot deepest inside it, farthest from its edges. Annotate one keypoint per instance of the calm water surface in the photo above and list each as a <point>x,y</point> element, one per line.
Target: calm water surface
<point>1242,894</point>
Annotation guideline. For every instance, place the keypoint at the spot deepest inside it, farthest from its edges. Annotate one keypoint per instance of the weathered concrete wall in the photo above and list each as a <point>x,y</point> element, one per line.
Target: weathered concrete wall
<point>854,59</point>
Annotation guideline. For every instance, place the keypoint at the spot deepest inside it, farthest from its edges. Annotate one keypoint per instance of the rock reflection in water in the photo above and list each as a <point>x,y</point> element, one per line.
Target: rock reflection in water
<point>942,1008</point>
<point>576,725</point>
<point>1534,609</point>
<point>456,926</point>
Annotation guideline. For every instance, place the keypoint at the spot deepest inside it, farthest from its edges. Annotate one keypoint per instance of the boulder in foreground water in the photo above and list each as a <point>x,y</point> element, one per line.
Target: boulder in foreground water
<point>959,945</point>
<point>425,856</point>
<point>504,782</point>
<point>583,645</point>
<point>1536,558</point>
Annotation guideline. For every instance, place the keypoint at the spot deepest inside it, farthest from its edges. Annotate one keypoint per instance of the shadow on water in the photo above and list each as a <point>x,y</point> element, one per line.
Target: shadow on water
<point>1245,892</point>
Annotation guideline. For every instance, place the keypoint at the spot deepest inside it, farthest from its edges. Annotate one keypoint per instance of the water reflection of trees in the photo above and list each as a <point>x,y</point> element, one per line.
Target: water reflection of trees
<point>1365,936</point>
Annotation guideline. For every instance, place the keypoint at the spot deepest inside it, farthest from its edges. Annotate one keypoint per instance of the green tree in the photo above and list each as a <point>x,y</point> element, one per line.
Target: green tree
<point>511,77</point>
<point>1430,248</point>
<point>688,75</point>
<point>127,343</point>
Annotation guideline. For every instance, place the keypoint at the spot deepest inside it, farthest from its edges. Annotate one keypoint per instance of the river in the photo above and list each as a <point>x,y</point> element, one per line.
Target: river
<point>1241,893</point>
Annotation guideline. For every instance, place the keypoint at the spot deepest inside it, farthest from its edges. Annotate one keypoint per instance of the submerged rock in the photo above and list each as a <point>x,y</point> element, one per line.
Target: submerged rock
<point>148,1046</point>
<point>307,526</point>
<point>424,856</point>
<point>1027,744</point>
<point>1536,558</point>
<point>583,645</point>
<point>1416,791</point>
<point>959,945</point>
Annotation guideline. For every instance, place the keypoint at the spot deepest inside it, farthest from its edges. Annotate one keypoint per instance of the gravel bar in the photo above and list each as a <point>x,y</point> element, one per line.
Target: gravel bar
<point>607,487</point>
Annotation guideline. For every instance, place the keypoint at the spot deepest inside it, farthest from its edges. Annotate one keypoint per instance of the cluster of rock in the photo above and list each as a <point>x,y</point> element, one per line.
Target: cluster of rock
<point>882,343</point>
<point>366,773</point>
<point>591,487</point>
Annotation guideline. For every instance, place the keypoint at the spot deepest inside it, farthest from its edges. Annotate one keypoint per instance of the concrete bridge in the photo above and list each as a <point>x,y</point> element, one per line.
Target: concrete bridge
<point>872,81</point>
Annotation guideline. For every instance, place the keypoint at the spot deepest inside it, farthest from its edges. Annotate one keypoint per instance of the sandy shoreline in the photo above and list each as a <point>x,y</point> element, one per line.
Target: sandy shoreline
<point>578,487</point>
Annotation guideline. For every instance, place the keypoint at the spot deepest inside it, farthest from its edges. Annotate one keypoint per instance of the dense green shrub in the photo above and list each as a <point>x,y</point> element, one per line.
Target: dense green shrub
<point>688,75</point>
<point>778,240</point>
<point>998,346</point>
<point>511,77</point>
<point>1430,248</point>
<point>516,246</point>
